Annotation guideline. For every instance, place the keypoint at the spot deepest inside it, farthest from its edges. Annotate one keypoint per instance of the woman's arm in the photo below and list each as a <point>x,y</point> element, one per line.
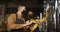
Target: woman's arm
<point>46,16</point>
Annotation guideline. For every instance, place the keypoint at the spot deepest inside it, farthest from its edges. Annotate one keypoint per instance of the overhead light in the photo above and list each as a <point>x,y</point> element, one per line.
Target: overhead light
<point>59,1</point>
<point>44,1</point>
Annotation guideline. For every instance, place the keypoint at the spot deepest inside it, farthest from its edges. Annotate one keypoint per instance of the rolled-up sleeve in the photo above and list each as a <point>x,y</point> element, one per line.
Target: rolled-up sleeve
<point>11,23</point>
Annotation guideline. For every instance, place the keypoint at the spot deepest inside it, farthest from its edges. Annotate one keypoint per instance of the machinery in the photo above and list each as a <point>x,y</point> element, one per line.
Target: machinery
<point>51,24</point>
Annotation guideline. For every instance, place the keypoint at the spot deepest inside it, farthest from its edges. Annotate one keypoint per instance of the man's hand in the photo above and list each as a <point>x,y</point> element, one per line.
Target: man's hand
<point>27,24</point>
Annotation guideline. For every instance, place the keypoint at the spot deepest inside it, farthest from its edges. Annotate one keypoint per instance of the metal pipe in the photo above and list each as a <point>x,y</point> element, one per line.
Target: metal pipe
<point>55,13</point>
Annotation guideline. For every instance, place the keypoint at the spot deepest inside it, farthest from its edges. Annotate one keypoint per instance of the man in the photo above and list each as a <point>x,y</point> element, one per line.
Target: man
<point>16,22</point>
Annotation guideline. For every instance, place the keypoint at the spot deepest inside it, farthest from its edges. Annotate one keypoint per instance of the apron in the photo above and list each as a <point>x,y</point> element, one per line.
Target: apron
<point>18,21</point>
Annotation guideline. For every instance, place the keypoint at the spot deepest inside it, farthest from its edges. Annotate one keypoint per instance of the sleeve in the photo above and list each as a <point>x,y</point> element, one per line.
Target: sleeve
<point>46,17</point>
<point>39,22</point>
<point>11,23</point>
<point>47,14</point>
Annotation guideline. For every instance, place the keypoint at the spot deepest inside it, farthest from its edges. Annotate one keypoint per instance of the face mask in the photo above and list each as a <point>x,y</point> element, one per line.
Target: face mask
<point>30,16</point>
<point>24,12</point>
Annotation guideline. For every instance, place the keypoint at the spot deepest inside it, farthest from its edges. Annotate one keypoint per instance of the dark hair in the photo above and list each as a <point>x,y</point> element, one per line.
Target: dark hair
<point>19,6</point>
<point>30,10</point>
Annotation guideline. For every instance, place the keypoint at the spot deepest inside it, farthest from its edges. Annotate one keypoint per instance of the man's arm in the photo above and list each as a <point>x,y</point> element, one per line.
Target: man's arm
<point>12,25</point>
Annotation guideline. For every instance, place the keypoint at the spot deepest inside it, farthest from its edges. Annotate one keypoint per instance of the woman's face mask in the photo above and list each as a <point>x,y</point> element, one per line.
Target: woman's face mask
<point>30,16</point>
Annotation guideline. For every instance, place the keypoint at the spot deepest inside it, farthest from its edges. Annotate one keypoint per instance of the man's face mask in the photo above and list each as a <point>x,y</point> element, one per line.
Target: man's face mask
<point>24,12</point>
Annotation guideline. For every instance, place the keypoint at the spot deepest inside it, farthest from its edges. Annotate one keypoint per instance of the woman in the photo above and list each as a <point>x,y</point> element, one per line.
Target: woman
<point>34,26</point>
